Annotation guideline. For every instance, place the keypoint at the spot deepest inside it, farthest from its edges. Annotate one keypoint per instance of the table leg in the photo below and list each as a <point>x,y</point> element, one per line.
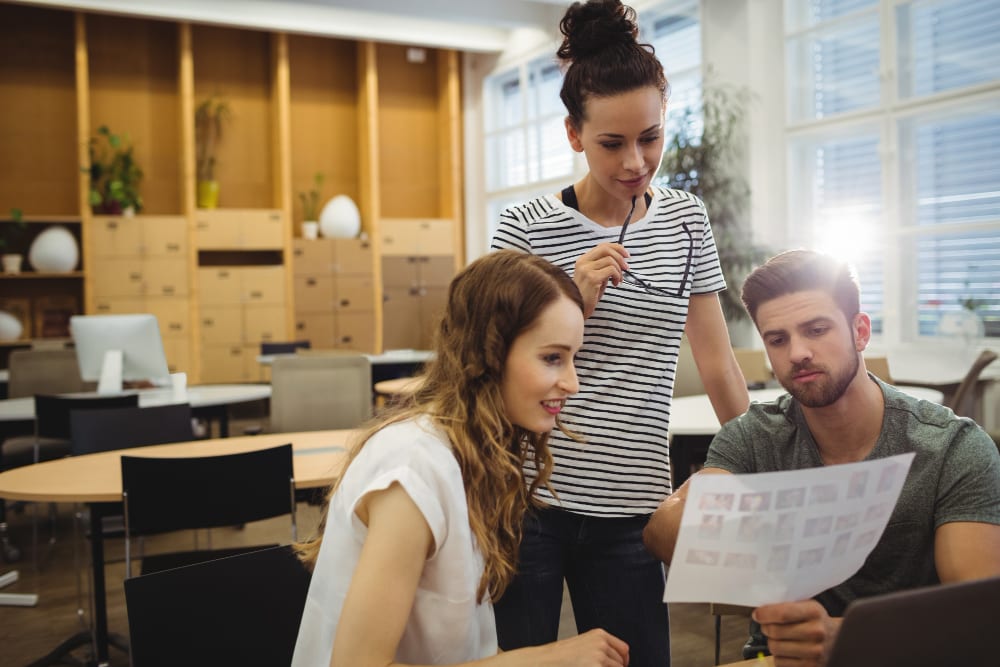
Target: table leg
<point>100,594</point>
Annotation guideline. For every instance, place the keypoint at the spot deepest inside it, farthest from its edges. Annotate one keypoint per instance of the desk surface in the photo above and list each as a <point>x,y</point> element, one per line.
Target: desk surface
<point>387,357</point>
<point>943,367</point>
<point>693,415</point>
<point>318,458</point>
<point>199,396</point>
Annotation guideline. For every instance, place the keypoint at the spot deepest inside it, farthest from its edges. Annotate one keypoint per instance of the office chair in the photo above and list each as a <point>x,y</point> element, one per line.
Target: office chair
<point>241,610</point>
<point>966,388</point>
<point>167,494</point>
<point>106,429</point>
<point>284,347</point>
<point>753,363</point>
<point>317,392</point>
<point>34,371</point>
<point>879,367</point>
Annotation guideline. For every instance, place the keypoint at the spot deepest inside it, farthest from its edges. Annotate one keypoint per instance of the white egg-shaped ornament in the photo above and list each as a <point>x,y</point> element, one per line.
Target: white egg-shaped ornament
<point>340,218</point>
<point>10,326</point>
<point>54,251</point>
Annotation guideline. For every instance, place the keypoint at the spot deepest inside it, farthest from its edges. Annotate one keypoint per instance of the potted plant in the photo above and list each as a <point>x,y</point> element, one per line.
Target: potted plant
<point>703,159</point>
<point>310,208</point>
<point>114,174</point>
<point>209,118</point>
<point>12,232</point>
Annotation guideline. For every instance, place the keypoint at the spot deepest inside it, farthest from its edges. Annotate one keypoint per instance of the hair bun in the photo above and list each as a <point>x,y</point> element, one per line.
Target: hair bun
<point>591,27</point>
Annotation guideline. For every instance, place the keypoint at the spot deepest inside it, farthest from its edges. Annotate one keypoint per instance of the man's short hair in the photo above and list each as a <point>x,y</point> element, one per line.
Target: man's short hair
<point>800,270</point>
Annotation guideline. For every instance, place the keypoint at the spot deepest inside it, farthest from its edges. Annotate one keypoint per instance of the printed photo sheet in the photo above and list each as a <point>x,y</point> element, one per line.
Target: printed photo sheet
<point>781,536</point>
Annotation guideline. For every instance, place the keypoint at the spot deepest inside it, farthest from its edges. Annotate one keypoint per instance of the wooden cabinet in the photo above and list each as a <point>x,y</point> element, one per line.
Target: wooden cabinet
<point>383,130</point>
<point>239,307</point>
<point>335,293</point>
<point>235,229</point>
<point>415,293</point>
<point>141,265</point>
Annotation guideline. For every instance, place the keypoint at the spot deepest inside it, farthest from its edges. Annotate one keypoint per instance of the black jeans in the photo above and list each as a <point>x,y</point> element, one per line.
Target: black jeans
<point>614,584</point>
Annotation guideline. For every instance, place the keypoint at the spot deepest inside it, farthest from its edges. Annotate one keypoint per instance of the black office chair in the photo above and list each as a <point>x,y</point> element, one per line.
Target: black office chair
<point>168,494</point>
<point>105,429</point>
<point>242,610</point>
<point>284,347</point>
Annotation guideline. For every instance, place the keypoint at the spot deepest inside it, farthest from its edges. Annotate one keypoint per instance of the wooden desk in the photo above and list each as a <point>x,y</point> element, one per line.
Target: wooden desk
<point>398,386</point>
<point>96,479</point>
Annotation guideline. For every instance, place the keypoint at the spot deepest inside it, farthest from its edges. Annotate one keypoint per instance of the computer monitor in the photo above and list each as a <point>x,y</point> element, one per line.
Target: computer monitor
<point>113,348</point>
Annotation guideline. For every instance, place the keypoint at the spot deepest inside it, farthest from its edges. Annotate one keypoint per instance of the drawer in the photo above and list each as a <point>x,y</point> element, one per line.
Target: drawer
<point>417,236</point>
<point>222,363</point>
<point>314,293</point>
<point>115,236</point>
<point>353,256</point>
<point>355,331</point>
<point>354,293</point>
<point>310,257</point>
<point>219,285</point>
<point>317,328</point>
<point>217,230</point>
<point>262,284</point>
<point>173,315</point>
<point>164,236</point>
<point>178,351</point>
<point>165,276</point>
<point>118,277</point>
<point>221,324</point>
<point>264,323</point>
<point>262,230</point>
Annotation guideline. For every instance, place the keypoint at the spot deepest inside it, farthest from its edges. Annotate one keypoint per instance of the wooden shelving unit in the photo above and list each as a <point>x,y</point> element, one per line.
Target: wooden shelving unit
<point>382,129</point>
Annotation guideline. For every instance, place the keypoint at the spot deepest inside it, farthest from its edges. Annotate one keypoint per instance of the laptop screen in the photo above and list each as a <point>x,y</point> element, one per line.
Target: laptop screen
<point>937,626</point>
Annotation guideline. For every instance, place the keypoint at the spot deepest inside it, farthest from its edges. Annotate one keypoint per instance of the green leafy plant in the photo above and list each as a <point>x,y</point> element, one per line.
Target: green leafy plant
<point>703,158</point>
<point>13,230</point>
<point>968,301</point>
<point>209,119</point>
<point>310,198</point>
<point>114,173</point>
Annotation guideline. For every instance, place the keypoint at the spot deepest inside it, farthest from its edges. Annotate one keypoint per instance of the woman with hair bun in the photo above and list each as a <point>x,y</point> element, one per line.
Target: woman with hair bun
<point>646,264</point>
<point>420,531</point>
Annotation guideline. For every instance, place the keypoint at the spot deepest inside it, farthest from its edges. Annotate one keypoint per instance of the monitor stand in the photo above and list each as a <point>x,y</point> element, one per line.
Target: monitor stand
<point>111,373</point>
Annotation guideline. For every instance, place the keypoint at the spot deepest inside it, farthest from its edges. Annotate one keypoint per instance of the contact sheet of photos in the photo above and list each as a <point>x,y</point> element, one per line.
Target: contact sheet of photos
<point>772,537</point>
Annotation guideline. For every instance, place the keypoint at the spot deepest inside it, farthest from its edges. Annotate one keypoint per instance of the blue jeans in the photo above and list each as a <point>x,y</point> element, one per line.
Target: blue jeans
<point>614,584</point>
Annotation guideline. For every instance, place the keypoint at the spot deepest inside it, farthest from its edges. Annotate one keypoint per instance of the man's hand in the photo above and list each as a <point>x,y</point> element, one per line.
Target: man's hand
<point>798,633</point>
<point>595,268</point>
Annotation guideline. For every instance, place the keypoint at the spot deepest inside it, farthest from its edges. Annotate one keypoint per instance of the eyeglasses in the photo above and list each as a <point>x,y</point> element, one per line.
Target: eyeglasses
<point>632,279</point>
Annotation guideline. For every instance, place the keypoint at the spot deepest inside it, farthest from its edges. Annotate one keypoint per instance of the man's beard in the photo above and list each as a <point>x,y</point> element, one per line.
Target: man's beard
<point>827,391</point>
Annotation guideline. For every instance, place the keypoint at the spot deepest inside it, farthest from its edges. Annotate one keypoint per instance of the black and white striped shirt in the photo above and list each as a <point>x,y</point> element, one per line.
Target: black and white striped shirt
<point>629,355</point>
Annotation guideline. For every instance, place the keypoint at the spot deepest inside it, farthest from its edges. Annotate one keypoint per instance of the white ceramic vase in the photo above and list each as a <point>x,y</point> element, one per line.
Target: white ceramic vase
<point>10,326</point>
<point>340,218</point>
<point>54,251</point>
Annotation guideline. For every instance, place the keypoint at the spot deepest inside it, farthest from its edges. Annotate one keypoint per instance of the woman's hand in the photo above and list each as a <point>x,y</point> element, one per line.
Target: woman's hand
<point>595,648</point>
<point>798,633</point>
<point>595,268</point>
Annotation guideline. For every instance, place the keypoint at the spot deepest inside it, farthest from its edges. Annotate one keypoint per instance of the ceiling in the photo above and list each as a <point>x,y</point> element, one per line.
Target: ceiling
<point>467,25</point>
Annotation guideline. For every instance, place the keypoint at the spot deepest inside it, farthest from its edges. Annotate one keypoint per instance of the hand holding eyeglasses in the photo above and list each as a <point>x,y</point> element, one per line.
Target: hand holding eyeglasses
<point>592,271</point>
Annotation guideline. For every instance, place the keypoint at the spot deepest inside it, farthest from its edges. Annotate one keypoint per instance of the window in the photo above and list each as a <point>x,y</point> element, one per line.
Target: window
<point>527,154</point>
<point>894,152</point>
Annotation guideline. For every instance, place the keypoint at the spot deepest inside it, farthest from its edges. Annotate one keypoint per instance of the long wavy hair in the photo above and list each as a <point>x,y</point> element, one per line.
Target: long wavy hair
<point>490,303</point>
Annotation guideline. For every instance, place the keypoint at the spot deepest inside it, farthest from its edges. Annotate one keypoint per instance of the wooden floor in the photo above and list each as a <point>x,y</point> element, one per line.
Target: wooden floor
<point>27,634</point>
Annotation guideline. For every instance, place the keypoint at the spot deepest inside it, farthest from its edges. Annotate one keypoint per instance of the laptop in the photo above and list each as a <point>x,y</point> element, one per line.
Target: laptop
<point>937,626</point>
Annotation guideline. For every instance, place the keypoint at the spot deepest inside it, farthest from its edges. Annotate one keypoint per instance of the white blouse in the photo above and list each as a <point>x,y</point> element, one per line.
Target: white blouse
<point>446,624</point>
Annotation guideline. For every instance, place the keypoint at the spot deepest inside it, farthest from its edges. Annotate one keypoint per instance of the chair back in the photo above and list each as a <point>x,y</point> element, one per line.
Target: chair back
<point>52,413</point>
<point>687,380</point>
<point>753,363</point>
<point>167,494</point>
<point>242,610</point>
<point>959,400</point>
<point>284,347</point>
<point>313,393</point>
<point>118,428</point>
<point>44,371</point>
<point>879,367</point>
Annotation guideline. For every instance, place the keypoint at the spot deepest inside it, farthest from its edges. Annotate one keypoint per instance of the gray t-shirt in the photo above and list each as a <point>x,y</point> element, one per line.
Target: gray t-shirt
<point>955,476</point>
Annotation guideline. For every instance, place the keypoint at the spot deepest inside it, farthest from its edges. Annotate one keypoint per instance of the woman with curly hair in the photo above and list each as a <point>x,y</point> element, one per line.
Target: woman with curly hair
<point>421,530</point>
<point>645,261</point>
